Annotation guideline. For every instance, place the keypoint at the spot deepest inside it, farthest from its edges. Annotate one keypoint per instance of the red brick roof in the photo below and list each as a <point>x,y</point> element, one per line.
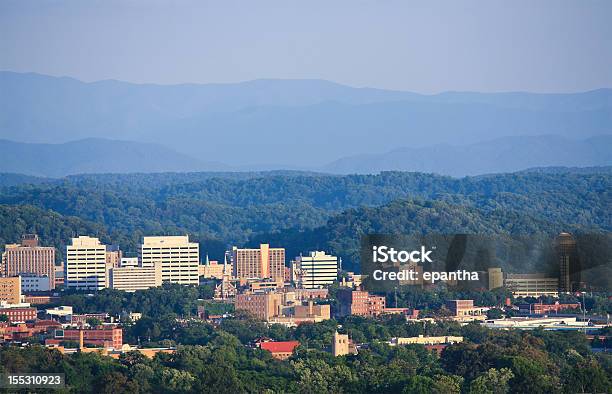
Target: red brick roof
<point>280,347</point>
<point>47,323</point>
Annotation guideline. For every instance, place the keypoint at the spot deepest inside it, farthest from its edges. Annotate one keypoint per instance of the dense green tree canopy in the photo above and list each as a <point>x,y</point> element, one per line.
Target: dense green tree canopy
<point>300,211</point>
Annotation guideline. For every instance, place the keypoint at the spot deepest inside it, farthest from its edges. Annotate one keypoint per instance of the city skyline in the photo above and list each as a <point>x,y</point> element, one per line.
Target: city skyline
<point>306,197</point>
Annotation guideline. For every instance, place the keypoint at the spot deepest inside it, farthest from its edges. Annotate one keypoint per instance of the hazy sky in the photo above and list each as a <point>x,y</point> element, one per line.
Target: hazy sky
<point>424,46</point>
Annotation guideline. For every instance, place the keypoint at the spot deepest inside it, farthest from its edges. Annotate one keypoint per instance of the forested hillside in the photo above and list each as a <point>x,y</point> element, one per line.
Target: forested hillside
<point>9,179</point>
<point>302,211</point>
<point>52,227</point>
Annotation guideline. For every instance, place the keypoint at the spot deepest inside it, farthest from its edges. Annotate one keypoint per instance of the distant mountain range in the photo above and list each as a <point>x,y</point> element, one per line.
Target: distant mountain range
<point>507,154</point>
<point>267,124</point>
<point>511,154</point>
<point>95,156</point>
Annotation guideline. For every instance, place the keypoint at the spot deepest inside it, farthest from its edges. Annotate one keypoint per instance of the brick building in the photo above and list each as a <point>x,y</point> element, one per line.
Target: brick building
<point>462,308</point>
<point>19,315</point>
<point>360,303</point>
<point>547,308</point>
<point>282,308</point>
<point>107,337</point>
<point>262,306</point>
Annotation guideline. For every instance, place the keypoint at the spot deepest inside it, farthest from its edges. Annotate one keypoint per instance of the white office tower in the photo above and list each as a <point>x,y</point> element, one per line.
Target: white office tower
<point>179,258</point>
<point>86,264</point>
<point>316,270</point>
<point>132,278</point>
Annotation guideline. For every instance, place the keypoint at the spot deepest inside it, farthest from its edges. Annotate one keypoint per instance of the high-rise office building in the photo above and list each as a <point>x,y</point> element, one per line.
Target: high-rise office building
<point>86,264</point>
<point>265,262</point>
<point>316,270</point>
<point>29,258</point>
<point>179,258</point>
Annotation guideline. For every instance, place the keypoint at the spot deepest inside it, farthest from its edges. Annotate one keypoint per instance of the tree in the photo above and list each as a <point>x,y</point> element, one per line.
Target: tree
<point>465,359</point>
<point>174,380</point>
<point>530,376</point>
<point>475,332</point>
<point>585,375</point>
<point>493,381</point>
<point>143,377</point>
<point>495,313</point>
<point>316,376</point>
<point>132,358</point>
<point>447,384</point>
<point>114,382</point>
<point>419,385</point>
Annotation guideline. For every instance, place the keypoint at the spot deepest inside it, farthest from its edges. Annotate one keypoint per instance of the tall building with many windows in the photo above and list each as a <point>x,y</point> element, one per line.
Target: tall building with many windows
<point>316,270</point>
<point>178,257</point>
<point>86,264</point>
<point>29,258</point>
<point>532,285</point>
<point>265,262</point>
